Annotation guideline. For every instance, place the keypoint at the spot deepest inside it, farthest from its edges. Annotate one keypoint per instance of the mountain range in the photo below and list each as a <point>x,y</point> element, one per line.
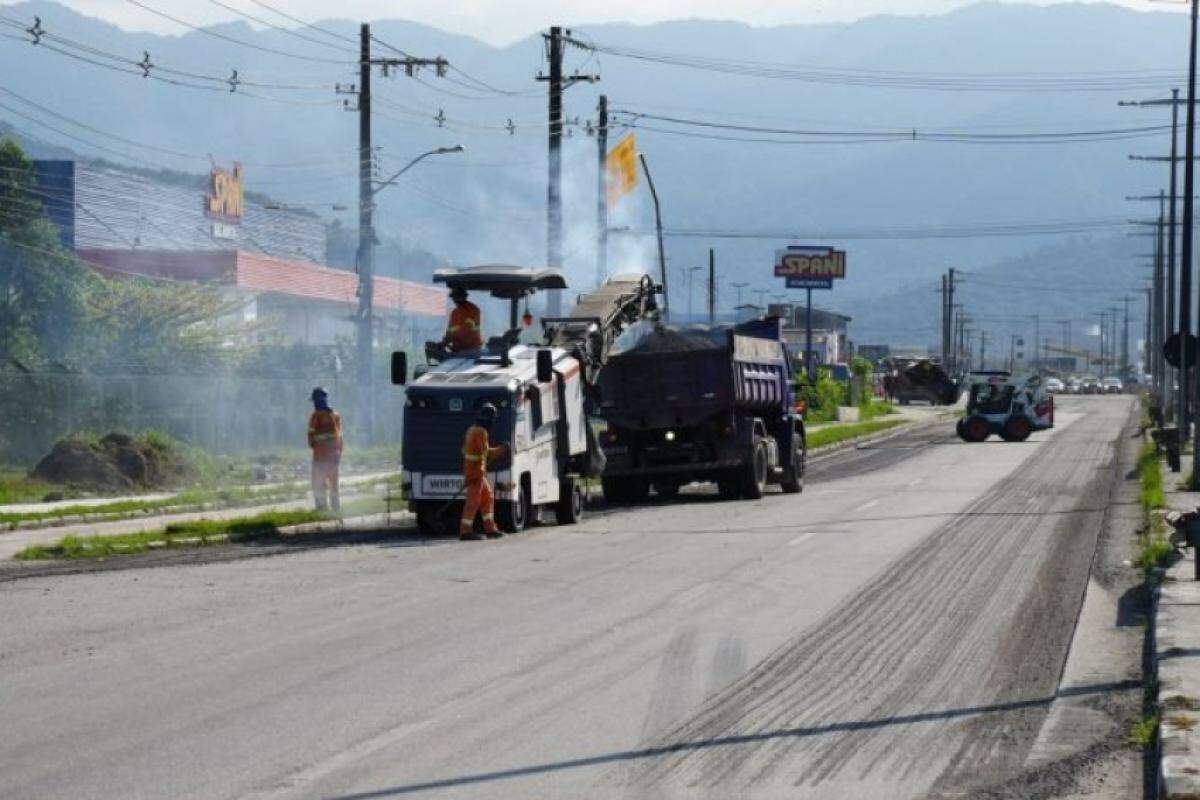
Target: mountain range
<point>901,207</point>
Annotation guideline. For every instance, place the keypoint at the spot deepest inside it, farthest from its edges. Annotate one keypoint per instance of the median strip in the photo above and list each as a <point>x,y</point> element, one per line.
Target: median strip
<point>198,533</point>
<point>835,434</point>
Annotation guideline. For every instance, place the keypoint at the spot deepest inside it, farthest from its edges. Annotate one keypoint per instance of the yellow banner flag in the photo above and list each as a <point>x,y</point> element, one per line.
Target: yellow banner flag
<point>622,168</point>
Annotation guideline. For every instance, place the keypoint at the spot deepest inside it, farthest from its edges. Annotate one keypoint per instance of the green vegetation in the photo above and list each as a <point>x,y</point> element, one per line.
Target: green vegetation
<point>840,433</point>
<point>1143,732</point>
<point>184,534</point>
<point>1150,470</point>
<point>17,487</point>
<point>874,408</point>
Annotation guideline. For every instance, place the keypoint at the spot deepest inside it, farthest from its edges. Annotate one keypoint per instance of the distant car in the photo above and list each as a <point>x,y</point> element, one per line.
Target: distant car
<point>1090,385</point>
<point>1075,386</point>
<point>1055,386</point>
<point>1111,385</point>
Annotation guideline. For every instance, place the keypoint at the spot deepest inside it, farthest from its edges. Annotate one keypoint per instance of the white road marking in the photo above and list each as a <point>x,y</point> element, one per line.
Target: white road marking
<point>911,484</point>
<point>868,504</point>
<point>801,538</point>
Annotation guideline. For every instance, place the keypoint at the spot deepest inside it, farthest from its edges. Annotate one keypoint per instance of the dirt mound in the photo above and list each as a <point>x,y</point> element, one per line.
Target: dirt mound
<point>115,462</point>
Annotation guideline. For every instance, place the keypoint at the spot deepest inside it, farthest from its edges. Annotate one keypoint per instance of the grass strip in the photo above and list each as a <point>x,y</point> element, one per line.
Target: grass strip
<point>853,430</point>
<point>194,534</point>
<point>1150,470</point>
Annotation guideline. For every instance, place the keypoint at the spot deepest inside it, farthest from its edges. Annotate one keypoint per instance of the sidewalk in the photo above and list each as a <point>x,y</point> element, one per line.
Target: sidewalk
<point>1176,632</point>
<point>14,542</point>
<point>93,502</point>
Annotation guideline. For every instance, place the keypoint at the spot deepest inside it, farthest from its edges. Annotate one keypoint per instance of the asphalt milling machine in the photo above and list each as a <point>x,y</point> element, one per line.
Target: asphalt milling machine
<point>540,390</point>
<point>731,420</point>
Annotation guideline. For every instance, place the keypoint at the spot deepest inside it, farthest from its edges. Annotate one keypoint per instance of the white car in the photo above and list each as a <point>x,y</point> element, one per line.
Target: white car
<point>1111,385</point>
<point>1055,386</point>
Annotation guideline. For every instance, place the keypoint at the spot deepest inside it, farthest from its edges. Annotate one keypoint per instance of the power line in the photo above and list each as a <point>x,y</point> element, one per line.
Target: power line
<point>848,76</point>
<point>276,27</point>
<point>308,25</point>
<point>239,42</point>
<point>982,230</point>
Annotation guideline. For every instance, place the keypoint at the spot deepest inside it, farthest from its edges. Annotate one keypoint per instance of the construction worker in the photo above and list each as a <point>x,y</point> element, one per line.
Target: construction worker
<point>462,330</point>
<point>476,453</point>
<point>325,439</point>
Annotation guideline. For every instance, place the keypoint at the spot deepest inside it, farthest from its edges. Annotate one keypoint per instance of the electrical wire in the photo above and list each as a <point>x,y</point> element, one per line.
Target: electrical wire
<point>308,25</point>
<point>276,27</point>
<point>981,230</point>
<point>876,78</point>
<point>233,40</point>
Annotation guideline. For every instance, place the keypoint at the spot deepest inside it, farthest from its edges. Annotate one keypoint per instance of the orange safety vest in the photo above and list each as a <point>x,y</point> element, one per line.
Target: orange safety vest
<point>476,452</point>
<point>325,435</point>
<point>463,330</point>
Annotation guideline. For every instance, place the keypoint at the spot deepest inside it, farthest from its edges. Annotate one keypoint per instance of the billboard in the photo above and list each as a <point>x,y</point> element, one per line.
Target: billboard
<point>225,200</point>
<point>806,267</point>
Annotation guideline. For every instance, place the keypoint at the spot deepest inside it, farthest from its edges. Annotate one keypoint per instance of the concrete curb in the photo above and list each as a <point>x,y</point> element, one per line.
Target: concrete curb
<point>367,522</point>
<point>1175,632</point>
<point>904,427</point>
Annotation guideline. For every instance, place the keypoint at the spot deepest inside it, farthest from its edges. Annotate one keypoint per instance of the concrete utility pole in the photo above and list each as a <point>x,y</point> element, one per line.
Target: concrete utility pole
<point>1103,326</point>
<point>945,294</point>
<point>712,286</point>
<point>809,361</point>
<point>1125,339</point>
<point>1185,265</point>
<point>365,328</point>
<point>739,287</point>
<point>554,221</point>
<point>983,349</point>
<point>602,192</point>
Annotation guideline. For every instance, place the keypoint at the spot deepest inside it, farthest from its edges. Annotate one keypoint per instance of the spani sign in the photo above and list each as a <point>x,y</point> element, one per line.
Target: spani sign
<point>810,267</point>
<point>225,200</point>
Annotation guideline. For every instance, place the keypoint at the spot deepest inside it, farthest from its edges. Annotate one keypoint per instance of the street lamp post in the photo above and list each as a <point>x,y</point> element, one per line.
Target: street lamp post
<point>366,285</point>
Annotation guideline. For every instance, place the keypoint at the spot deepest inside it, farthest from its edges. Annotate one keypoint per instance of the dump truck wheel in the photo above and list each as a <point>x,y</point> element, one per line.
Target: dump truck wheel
<point>960,430</point>
<point>512,514</point>
<point>428,524</point>
<point>754,473</point>
<point>614,490</point>
<point>976,429</point>
<point>1017,429</point>
<point>668,489</point>
<point>569,508</point>
<point>793,480</point>
<point>639,490</point>
<point>730,486</point>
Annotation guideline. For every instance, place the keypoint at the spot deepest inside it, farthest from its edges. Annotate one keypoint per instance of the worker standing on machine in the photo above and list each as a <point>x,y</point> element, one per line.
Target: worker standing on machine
<point>462,330</point>
<point>325,439</point>
<point>480,499</point>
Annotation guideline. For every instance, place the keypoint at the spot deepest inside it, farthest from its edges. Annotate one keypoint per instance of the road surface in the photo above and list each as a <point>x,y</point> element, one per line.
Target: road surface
<point>898,630</point>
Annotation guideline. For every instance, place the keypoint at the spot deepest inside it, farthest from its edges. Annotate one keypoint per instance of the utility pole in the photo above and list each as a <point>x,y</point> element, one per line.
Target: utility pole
<point>554,220</point>
<point>983,349</point>
<point>1125,339</point>
<point>1012,352</point>
<point>365,329</point>
<point>690,272</point>
<point>809,361</point>
<point>712,286</point>
<point>602,192</point>
<point>945,295</point>
<point>739,287</point>
<point>1185,264</point>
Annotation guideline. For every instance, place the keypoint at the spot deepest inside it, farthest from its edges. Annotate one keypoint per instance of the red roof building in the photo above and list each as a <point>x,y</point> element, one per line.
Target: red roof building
<point>312,303</point>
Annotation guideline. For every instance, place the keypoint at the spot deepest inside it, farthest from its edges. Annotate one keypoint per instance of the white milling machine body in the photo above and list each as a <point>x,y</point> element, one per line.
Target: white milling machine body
<point>541,393</point>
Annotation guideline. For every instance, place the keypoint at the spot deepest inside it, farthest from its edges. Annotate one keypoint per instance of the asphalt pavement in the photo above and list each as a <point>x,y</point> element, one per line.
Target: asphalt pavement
<point>897,630</point>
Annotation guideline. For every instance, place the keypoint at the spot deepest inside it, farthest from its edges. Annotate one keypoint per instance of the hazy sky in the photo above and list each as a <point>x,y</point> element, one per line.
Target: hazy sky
<point>502,21</point>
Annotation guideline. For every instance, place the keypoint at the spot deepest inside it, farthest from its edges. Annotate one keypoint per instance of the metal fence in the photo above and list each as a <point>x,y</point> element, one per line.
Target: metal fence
<point>220,413</point>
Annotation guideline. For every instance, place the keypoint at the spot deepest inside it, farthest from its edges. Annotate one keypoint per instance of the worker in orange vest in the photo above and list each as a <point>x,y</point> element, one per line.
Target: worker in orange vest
<point>462,331</point>
<point>325,439</point>
<point>476,453</point>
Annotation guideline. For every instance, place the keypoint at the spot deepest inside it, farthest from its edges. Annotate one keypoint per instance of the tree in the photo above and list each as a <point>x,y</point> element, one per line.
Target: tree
<point>42,286</point>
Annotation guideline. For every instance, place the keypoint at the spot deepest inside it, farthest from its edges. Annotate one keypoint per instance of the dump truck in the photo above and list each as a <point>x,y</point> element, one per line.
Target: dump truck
<point>541,390</point>
<point>708,404</point>
<point>921,379</point>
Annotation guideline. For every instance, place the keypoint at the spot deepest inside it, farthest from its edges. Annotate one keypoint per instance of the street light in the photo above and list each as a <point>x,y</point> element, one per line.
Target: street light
<point>458,148</point>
